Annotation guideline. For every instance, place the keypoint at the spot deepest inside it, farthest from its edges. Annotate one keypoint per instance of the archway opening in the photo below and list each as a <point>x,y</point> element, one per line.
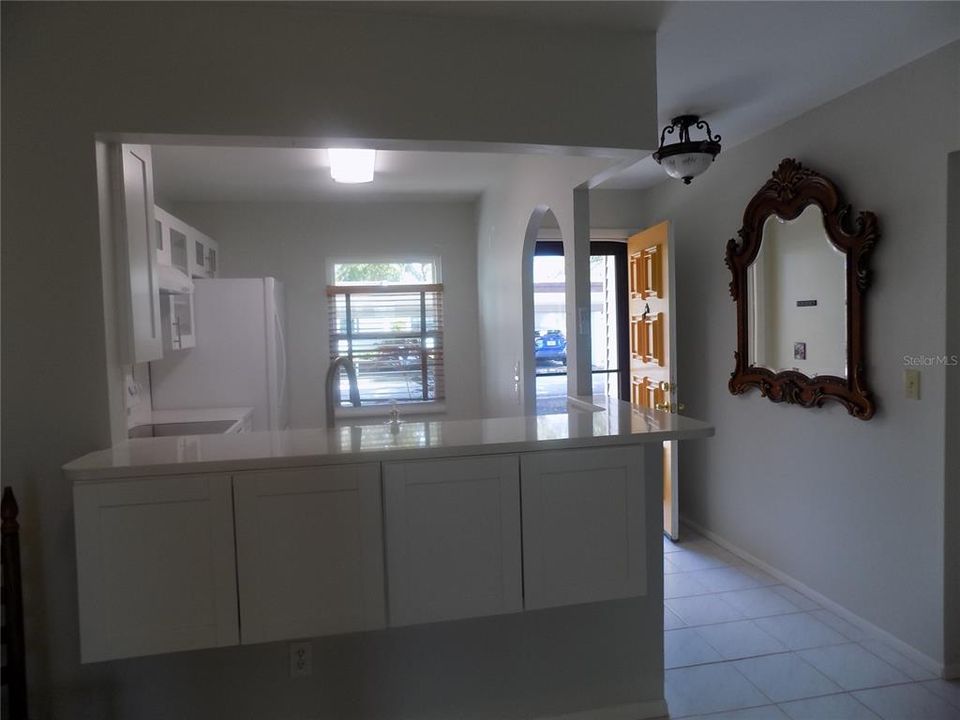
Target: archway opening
<point>545,315</point>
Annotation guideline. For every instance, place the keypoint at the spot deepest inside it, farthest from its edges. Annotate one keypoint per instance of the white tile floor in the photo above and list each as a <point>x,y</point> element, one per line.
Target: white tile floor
<point>740,646</point>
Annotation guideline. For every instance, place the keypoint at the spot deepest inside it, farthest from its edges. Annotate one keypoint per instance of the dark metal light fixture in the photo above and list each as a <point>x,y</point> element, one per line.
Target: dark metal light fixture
<point>686,158</point>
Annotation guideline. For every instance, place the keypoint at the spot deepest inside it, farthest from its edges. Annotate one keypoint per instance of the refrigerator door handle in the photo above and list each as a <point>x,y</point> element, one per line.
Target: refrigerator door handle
<point>282,340</point>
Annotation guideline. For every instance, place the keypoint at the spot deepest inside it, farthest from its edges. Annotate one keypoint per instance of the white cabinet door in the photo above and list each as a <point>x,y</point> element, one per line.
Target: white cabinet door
<point>453,538</point>
<point>163,236</point>
<point>309,552</point>
<point>179,245</point>
<point>213,261</point>
<point>136,233</point>
<point>203,255</point>
<point>184,247</point>
<point>177,317</point>
<point>155,563</point>
<point>583,524</point>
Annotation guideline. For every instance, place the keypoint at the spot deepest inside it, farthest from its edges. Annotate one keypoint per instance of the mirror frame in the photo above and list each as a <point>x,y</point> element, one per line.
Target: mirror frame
<point>790,189</point>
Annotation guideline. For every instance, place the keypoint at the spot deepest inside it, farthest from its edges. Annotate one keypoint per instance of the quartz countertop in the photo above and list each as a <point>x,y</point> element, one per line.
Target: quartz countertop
<point>190,415</point>
<point>588,422</point>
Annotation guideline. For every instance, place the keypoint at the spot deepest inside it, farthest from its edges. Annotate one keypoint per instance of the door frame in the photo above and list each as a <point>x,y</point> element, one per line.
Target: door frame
<point>671,448</point>
<point>618,249</point>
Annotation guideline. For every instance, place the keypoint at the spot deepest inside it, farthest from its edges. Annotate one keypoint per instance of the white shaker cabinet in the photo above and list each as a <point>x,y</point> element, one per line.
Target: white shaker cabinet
<point>453,538</point>
<point>172,561</point>
<point>184,247</point>
<point>584,524</point>
<point>174,248</point>
<point>163,236</point>
<point>155,564</point>
<point>203,255</point>
<point>173,245</point>
<point>309,552</point>
<point>177,317</point>
<point>135,231</point>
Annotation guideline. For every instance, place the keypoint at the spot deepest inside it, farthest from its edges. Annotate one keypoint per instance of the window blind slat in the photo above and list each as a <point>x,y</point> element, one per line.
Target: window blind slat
<point>394,335</point>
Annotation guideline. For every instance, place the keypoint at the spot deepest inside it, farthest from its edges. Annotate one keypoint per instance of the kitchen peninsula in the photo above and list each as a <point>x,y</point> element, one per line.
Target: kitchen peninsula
<point>535,539</point>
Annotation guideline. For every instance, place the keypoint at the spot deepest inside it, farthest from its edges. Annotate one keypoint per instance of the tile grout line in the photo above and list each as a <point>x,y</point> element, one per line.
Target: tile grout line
<point>809,612</point>
<point>847,693</point>
<point>858,623</point>
<point>858,641</point>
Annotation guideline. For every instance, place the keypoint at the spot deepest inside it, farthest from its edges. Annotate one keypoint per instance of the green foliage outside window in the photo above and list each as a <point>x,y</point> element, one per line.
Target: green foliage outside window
<point>385,273</point>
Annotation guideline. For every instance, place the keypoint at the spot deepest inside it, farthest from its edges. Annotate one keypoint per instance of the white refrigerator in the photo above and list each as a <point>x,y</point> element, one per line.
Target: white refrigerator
<point>240,359</point>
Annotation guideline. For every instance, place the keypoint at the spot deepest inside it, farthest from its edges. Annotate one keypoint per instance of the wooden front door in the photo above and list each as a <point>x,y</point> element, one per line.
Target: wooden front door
<point>652,341</point>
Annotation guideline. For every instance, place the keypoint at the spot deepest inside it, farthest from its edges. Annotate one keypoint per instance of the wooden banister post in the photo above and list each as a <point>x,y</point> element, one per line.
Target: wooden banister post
<point>15,672</point>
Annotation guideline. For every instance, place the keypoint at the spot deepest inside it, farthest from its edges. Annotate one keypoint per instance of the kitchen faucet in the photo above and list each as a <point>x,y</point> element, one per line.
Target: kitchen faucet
<point>333,386</point>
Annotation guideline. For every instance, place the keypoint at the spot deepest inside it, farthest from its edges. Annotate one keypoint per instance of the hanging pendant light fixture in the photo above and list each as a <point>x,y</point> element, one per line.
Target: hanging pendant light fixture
<point>686,158</point>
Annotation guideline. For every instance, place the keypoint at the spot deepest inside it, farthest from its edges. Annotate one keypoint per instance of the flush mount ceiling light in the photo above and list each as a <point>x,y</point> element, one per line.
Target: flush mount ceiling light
<point>352,165</point>
<point>686,158</point>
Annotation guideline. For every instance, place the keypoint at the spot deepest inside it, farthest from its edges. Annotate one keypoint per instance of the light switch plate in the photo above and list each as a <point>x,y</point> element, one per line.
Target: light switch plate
<point>911,384</point>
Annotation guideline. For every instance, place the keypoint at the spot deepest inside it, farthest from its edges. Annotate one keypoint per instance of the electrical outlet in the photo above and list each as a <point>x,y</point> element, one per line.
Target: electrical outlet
<point>301,659</point>
<point>132,392</point>
<point>911,384</point>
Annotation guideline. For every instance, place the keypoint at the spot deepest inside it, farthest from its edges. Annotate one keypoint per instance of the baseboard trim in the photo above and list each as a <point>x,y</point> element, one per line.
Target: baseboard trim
<point>631,711</point>
<point>851,617</point>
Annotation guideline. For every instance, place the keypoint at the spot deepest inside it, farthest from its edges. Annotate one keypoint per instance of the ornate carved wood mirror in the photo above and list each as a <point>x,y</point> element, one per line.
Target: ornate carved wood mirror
<point>800,274</point>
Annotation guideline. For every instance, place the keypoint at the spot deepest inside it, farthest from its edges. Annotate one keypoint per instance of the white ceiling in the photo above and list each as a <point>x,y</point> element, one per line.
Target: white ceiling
<point>746,67</point>
<point>235,174</point>
<point>566,14</point>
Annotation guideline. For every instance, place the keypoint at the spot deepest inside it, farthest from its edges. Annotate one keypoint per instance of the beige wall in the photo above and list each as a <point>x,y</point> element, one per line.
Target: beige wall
<point>507,228</point>
<point>852,509</point>
<point>296,242</point>
<point>248,69</point>
<point>951,551</point>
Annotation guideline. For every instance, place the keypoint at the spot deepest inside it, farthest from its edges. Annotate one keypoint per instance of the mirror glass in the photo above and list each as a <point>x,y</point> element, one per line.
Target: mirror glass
<point>797,295</point>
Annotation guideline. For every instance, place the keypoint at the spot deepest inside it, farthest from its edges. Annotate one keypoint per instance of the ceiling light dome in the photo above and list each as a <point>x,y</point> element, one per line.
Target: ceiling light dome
<point>686,158</point>
<point>352,165</point>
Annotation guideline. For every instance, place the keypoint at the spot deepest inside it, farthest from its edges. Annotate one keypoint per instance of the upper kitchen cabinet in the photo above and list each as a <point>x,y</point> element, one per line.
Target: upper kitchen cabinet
<point>135,234</point>
<point>173,248</point>
<point>176,313</point>
<point>184,247</point>
<point>203,255</point>
<point>176,287</point>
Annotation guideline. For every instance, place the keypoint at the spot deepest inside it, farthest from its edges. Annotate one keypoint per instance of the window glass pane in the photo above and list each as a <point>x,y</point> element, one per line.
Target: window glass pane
<point>385,273</point>
<point>549,315</point>
<point>549,283</point>
<point>606,383</point>
<point>603,312</point>
<point>549,340</point>
<point>551,394</point>
<point>395,340</point>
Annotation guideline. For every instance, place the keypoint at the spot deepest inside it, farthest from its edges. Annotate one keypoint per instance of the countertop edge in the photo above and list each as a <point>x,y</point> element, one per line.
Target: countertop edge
<point>79,475</point>
<point>185,415</point>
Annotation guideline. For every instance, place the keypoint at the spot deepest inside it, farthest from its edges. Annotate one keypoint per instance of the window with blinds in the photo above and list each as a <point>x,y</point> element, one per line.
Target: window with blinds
<point>394,335</point>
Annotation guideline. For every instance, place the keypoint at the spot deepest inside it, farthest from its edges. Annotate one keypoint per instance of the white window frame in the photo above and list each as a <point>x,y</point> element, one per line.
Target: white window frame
<point>416,407</point>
